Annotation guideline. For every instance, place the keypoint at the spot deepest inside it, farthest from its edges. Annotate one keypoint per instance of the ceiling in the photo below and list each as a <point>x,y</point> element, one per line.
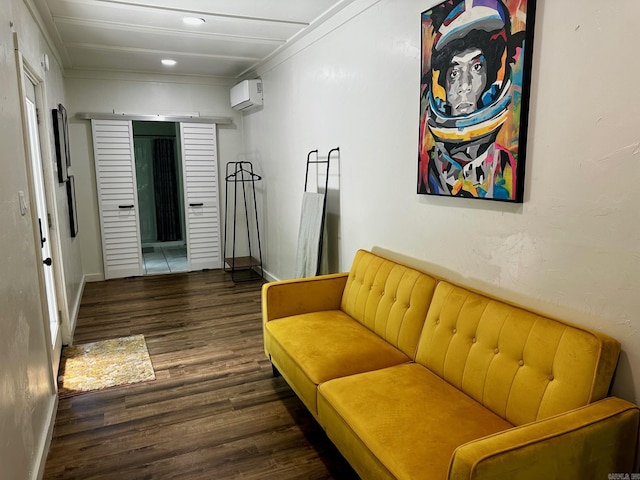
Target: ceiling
<point>135,35</point>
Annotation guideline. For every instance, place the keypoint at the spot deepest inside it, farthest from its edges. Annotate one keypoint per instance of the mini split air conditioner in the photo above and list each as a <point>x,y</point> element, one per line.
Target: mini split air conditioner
<point>246,95</point>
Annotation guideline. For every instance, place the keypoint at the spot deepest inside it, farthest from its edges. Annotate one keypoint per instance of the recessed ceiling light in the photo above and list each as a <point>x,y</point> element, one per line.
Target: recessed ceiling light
<point>193,20</point>
<point>168,63</point>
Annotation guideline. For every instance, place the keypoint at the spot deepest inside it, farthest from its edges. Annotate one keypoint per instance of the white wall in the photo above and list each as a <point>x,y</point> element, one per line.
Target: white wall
<point>572,249</point>
<point>27,382</point>
<point>102,92</point>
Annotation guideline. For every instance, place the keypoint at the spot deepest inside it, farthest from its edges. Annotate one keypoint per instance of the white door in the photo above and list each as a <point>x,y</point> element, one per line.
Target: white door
<point>45,231</point>
<point>117,197</point>
<point>200,172</point>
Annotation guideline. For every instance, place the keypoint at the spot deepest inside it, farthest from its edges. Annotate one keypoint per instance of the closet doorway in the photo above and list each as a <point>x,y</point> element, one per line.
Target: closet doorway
<point>117,186</point>
<point>159,180</point>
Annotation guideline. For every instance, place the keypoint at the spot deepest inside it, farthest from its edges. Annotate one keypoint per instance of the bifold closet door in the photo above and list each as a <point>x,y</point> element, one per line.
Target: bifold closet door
<point>117,197</point>
<point>200,171</point>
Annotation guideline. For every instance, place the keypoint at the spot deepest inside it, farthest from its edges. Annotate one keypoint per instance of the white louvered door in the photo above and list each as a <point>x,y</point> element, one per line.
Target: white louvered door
<point>117,197</point>
<point>200,170</point>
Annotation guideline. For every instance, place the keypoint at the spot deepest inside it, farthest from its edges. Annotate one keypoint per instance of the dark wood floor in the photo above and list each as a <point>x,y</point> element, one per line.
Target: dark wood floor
<point>214,411</point>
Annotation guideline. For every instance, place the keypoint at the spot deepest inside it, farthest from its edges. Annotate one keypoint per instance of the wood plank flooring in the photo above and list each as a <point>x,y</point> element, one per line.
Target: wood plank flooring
<point>215,411</point>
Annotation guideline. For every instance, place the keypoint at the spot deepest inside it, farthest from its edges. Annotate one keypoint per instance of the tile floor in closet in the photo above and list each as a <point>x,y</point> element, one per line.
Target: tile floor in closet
<point>161,259</point>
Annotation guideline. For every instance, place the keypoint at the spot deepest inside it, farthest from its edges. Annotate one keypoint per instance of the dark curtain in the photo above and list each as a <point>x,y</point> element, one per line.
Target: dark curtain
<point>166,190</point>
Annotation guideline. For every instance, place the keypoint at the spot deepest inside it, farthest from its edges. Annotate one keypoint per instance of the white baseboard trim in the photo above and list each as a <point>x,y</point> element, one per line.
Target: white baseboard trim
<point>93,277</point>
<point>45,440</point>
<point>268,276</point>
<point>73,318</point>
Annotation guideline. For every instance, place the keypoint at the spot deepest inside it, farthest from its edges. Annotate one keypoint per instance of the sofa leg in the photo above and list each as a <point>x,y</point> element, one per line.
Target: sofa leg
<point>275,371</point>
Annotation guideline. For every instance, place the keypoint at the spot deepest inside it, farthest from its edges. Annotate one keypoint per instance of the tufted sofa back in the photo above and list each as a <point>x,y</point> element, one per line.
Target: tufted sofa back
<point>388,298</point>
<point>522,366</point>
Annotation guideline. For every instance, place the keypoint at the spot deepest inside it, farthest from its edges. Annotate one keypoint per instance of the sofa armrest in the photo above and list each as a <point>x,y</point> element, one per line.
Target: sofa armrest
<point>589,442</point>
<point>303,295</point>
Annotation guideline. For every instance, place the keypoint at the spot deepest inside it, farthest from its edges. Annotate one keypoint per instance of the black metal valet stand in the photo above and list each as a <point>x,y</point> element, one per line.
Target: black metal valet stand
<point>241,178</point>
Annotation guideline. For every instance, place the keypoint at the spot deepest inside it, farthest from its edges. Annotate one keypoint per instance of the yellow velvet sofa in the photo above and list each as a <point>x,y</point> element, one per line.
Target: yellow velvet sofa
<point>413,377</point>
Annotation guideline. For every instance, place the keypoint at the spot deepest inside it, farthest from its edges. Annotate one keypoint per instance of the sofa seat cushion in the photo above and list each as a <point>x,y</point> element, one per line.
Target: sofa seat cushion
<point>315,347</point>
<point>405,417</point>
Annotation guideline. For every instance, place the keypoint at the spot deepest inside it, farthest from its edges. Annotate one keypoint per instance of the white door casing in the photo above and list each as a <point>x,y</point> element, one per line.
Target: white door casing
<point>117,197</point>
<point>44,229</point>
<point>200,174</point>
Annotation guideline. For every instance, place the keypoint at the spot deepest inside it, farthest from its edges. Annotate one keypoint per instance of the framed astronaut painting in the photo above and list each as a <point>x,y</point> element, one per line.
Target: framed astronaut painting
<point>475,77</point>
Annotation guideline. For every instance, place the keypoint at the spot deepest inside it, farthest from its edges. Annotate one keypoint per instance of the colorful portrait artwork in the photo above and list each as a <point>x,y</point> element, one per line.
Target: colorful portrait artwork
<point>475,76</point>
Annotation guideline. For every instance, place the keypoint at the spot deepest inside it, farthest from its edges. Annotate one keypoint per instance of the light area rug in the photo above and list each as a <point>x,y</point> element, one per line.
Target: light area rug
<point>104,364</point>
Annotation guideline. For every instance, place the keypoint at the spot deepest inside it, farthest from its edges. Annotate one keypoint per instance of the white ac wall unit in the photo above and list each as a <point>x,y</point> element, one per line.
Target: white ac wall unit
<point>247,95</point>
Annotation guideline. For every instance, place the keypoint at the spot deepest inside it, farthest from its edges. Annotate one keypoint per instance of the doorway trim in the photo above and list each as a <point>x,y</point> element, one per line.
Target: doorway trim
<point>25,69</point>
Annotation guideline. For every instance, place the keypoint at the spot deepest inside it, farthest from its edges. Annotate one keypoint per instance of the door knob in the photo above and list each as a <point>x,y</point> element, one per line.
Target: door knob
<point>47,261</point>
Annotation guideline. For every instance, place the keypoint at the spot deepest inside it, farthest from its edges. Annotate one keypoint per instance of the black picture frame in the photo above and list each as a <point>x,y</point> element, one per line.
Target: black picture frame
<point>61,134</point>
<point>473,144</point>
<point>71,201</point>
<point>65,129</point>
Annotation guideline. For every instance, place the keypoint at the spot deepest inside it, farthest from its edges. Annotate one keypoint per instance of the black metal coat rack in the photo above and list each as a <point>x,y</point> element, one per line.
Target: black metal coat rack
<point>241,178</point>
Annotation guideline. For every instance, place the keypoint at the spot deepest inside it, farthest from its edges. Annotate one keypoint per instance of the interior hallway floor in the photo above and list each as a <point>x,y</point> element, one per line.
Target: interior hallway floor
<point>164,259</point>
<point>214,411</point>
